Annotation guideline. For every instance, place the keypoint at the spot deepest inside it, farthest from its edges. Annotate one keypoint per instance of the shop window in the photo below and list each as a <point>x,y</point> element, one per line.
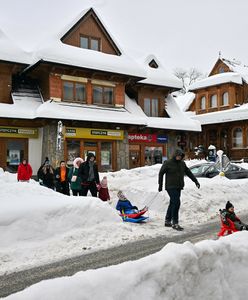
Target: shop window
<point>151,107</point>
<point>106,157</point>
<point>237,138</point>
<point>203,102</point>
<point>153,155</point>
<point>225,99</point>
<point>88,42</point>
<point>103,95</point>
<point>74,91</point>
<point>73,151</point>
<point>15,154</point>
<point>213,101</point>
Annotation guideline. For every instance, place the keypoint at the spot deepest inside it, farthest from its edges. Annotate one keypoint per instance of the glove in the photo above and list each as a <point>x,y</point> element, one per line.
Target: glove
<point>160,188</point>
<point>197,184</point>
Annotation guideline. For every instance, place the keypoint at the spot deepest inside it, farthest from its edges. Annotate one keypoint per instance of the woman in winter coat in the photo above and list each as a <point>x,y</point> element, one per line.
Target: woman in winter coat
<point>46,175</point>
<point>103,190</point>
<point>61,177</point>
<point>89,175</point>
<point>24,171</point>
<point>74,179</point>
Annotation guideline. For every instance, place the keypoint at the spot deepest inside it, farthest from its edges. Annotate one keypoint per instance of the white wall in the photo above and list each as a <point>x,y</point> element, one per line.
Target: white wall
<point>35,151</point>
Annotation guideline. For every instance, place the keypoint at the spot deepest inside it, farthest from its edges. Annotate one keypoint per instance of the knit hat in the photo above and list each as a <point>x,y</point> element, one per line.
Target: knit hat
<point>104,182</point>
<point>121,196</point>
<point>228,205</point>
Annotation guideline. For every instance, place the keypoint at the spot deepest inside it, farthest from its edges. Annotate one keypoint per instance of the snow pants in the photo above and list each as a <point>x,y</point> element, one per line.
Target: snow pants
<point>174,205</point>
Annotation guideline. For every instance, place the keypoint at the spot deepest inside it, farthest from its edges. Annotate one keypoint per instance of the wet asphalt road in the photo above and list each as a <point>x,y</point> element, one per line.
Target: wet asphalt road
<point>17,281</point>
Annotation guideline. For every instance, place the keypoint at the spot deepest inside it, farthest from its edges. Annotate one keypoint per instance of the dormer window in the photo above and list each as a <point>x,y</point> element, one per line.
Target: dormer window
<point>153,64</point>
<point>221,70</point>
<point>88,42</point>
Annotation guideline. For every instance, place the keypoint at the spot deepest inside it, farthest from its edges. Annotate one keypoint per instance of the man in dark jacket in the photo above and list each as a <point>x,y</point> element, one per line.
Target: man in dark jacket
<point>175,169</point>
<point>89,175</point>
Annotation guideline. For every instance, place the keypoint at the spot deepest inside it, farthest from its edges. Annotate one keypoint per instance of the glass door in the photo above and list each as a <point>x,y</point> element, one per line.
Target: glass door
<point>90,147</point>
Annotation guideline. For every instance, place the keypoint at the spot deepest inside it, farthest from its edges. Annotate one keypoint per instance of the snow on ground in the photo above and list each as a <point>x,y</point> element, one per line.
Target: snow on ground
<point>38,225</point>
<point>207,270</point>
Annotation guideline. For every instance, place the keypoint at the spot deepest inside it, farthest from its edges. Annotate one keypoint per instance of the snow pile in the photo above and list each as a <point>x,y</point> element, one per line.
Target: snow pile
<point>207,270</point>
<point>38,225</point>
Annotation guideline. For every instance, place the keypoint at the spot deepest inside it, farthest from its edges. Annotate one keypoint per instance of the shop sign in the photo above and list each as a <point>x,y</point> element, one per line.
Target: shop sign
<point>147,138</point>
<point>90,133</point>
<point>17,132</point>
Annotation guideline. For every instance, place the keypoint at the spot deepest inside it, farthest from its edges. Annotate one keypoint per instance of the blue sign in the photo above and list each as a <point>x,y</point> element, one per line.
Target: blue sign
<point>162,139</point>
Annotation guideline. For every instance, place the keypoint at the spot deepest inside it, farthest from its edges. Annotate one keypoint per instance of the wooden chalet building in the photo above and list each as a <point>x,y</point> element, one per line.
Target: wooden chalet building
<point>221,106</point>
<point>106,102</point>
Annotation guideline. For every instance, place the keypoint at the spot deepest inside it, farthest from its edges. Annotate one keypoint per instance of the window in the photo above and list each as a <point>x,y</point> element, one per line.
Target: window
<point>213,101</point>
<point>74,91</point>
<point>225,99</point>
<point>237,138</point>
<point>221,70</point>
<point>73,150</point>
<point>203,102</point>
<point>103,95</point>
<point>88,42</point>
<point>151,107</point>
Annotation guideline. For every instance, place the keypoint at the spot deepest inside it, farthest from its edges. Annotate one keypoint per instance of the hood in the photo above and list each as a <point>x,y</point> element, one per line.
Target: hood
<point>179,152</point>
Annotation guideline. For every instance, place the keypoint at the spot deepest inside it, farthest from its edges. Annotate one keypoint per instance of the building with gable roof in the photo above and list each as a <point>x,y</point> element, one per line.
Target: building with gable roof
<point>221,106</point>
<point>105,100</point>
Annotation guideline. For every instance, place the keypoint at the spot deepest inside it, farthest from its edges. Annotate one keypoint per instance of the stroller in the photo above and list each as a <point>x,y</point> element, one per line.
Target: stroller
<point>128,212</point>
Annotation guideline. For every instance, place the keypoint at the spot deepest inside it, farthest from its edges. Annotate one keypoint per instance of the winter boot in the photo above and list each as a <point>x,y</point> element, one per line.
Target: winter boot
<point>167,223</point>
<point>177,227</point>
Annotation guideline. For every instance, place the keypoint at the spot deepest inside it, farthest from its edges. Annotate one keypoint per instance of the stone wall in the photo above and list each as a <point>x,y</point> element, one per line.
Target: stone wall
<point>123,153</point>
<point>49,147</point>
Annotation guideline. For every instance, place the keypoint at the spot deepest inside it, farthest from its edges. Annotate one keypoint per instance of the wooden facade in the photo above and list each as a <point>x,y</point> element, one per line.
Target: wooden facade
<point>49,79</point>
<point>222,135</point>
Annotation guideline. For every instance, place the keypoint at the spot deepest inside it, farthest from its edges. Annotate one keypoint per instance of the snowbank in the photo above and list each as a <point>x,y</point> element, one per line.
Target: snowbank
<point>206,270</point>
<point>38,225</point>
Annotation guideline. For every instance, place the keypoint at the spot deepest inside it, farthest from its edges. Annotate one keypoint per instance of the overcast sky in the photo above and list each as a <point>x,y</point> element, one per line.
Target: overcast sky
<point>181,33</point>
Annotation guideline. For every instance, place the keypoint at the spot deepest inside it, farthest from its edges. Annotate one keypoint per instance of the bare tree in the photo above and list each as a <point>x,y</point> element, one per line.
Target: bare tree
<point>188,77</point>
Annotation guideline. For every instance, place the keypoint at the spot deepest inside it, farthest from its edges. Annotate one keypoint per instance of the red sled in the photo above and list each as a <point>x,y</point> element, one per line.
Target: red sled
<point>134,214</point>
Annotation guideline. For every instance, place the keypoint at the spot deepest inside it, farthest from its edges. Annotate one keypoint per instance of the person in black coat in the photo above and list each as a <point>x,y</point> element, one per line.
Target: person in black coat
<point>46,175</point>
<point>175,169</point>
<point>88,172</point>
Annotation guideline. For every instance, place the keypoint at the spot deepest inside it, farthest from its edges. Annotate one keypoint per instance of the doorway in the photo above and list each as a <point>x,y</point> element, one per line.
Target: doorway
<point>134,156</point>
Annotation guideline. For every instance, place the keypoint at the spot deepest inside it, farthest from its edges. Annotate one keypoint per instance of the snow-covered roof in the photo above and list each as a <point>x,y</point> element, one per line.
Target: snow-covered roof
<point>31,108</point>
<point>184,100</point>
<point>9,51</point>
<point>178,119</point>
<point>237,67</point>
<point>61,53</point>
<point>216,80</point>
<point>229,115</point>
<point>159,76</point>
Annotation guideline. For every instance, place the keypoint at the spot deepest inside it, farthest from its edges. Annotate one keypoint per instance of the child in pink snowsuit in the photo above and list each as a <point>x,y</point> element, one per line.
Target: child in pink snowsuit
<point>103,190</point>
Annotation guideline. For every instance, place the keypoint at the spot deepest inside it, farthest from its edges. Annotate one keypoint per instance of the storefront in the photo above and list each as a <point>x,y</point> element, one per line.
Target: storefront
<point>146,149</point>
<point>102,142</point>
<point>14,145</point>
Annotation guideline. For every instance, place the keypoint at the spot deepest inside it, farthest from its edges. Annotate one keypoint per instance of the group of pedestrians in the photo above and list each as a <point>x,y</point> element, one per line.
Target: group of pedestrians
<point>82,177</point>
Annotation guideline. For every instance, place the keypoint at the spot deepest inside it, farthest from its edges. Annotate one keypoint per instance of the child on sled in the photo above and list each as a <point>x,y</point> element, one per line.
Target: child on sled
<point>228,215</point>
<point>124,204</point>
